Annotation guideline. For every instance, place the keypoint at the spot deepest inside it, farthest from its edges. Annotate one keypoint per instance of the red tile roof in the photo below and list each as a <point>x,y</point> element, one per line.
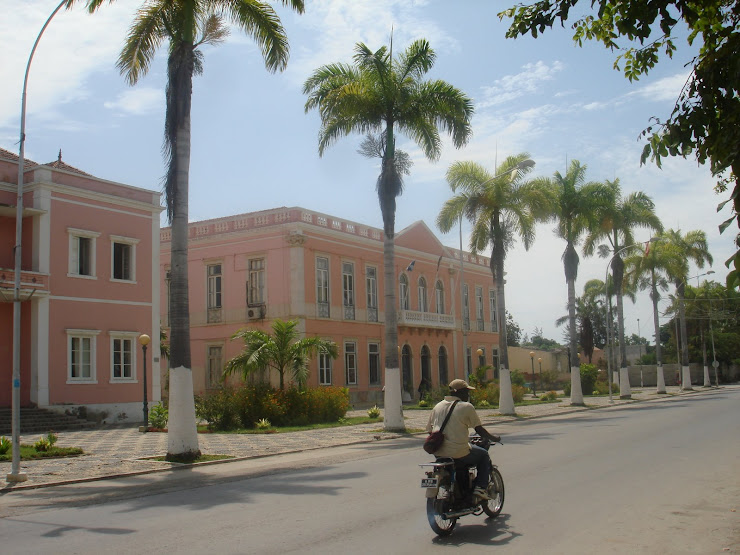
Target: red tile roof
<point>56,164</point>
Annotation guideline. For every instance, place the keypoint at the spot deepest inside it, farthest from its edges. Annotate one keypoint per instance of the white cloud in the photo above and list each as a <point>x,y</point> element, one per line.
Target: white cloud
<point>527,81</point>
<point>138,101</point>
<point>662,90</point>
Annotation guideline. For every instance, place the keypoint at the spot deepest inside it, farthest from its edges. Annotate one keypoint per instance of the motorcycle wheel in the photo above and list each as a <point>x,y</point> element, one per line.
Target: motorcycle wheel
<point>440,525</point>
<point>496,490</point>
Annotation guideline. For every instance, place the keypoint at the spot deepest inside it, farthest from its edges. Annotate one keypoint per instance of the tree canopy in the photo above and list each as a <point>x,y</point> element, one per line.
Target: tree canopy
<point>705,120</point>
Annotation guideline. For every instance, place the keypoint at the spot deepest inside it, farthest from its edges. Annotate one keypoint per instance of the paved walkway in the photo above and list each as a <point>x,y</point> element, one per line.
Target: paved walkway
<point>115,451</point>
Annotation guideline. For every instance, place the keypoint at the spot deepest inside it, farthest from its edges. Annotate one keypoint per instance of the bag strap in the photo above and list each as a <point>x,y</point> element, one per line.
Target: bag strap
<point>449,413</point>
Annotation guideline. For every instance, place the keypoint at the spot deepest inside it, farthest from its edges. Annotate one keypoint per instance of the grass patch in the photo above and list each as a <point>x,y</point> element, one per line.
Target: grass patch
<point>29,452</point>
<point>350,421</point>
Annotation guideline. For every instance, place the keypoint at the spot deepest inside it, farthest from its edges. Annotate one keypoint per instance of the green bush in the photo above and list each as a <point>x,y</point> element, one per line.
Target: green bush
<point>488,393</point>
<point>589,373</point>
<point>603,389</point>
<point>373,412</point>
<point>551,380</point>
<point>5,445</point>
<point>158,416</point>
<point>549,396</point>
<point>518,391</point>
<point>518,378</point>
<point>229,408</point>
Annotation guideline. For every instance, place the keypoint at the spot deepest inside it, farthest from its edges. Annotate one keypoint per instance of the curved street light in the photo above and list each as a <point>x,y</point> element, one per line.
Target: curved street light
<point>15,474</point>
<point>685,369</point>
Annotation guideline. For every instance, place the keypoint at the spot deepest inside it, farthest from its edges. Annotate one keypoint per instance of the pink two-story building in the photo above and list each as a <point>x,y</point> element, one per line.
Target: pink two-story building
<point>327,273</point>
<point>90,287</point>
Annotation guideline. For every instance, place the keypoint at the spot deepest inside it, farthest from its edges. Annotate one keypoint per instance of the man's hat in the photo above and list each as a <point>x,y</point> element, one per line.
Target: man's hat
<point>457,385</point>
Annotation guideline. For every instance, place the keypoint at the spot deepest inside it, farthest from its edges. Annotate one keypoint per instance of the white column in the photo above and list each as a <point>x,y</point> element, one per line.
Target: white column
<point>40,350</point>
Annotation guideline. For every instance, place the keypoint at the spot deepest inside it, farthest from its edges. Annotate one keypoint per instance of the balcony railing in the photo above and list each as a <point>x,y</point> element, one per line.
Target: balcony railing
<point>426,319</point>
<point>30,281</point>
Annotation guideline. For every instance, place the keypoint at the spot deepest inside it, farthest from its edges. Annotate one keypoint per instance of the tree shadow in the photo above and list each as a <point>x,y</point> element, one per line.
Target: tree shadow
<point>62,529</point>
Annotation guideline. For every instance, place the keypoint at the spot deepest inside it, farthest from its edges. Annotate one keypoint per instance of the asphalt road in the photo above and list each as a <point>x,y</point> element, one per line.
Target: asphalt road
<point>659,477</point>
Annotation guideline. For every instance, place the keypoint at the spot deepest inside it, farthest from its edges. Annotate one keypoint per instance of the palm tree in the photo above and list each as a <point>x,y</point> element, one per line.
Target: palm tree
<point>590,317</point>
<point>501,206</point>
<point>618,218</point>
<point>186,26</point>
<point>649,269</point>
<point>281,351</point>
<point>382,96</point>
<point>691,247</point>
<point>575,207</point>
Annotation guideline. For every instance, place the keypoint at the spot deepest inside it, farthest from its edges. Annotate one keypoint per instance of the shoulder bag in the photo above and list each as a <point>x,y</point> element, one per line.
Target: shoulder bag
<point>435,439</point>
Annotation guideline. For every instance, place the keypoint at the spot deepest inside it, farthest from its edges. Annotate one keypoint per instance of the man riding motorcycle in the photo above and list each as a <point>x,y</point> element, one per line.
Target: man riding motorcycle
<point>456,444</point>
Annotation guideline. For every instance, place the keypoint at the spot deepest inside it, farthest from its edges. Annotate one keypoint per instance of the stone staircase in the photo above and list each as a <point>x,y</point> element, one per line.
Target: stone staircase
<point>35,420</point>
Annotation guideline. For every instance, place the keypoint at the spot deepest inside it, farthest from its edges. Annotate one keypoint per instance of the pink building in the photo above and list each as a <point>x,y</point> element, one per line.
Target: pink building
<point>327,273</point>
<point>90,287</point>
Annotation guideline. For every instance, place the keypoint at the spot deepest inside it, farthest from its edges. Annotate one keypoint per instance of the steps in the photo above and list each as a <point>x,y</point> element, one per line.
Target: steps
<point>35,420</point>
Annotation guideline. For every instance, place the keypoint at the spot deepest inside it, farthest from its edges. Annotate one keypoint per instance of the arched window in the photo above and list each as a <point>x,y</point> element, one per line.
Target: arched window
<point>403,298</point>
<point>442,359</point>
<point>422,295</point>
<point>439,294</point>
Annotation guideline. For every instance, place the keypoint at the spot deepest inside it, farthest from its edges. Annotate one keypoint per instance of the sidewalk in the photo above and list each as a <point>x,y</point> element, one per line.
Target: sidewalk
<point>115,451</point>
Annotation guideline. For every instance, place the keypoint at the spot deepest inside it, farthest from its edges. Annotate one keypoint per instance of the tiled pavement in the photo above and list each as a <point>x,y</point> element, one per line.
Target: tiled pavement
<point>113,451</point>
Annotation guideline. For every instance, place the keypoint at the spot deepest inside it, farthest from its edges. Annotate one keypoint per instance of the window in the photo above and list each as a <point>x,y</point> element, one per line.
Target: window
<point>214,366</point>
<point>403,298</point>
<point>81,356</point>
<point>479,307</point>
<point>492,309</point>
<point>324,369</point>
<point>468,359</point>
<point>494,362</point>
<point>466,308</point>
<point>348,290</point>
<point>371,284</point>
<point>123,254</point>
<point>256,283</point>
<point>374,363</point>
<point>81,253</point>
<point>442,359</point>
<point>350,362</point>
<point>322,286</point>
<point>123,356</point>
<point>422,287</point>
<point>213,277</point>
<point>439,294</point>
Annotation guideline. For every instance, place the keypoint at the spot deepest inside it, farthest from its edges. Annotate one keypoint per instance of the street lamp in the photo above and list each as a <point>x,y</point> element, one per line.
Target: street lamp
<point>534,378</point>
<point>686,371</point>
<point>144,340</point>
<point>639,344</point>
<point>608,320</point>
<point>522,165</point>
<point>542,386</point>
<point>15,473</point>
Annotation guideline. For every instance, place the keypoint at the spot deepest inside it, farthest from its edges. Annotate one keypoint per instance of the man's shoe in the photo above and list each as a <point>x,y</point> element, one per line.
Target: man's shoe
<point>481,494</point>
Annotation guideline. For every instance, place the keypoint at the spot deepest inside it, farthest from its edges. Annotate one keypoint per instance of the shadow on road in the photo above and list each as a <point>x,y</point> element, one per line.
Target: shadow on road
<point>491,532</point>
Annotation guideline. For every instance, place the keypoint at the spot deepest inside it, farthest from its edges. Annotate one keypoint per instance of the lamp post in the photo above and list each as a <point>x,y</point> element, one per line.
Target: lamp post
<point>534,378</point>
<point>479,352</point>
<point>624,378</point>
<point>15,474</point>
<point>686,370</point>
<point>144,340</point>
<point>639,344</point>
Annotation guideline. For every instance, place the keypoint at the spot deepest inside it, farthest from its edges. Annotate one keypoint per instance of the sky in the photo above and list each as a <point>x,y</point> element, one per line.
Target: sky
<point>255,148</point>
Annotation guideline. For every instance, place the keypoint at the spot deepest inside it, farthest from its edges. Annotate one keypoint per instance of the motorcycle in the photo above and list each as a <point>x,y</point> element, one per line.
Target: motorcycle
<point>449,491</point>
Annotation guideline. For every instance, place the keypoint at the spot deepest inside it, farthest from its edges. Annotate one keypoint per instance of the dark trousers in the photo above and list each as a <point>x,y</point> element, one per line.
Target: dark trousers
<point>479,458</point>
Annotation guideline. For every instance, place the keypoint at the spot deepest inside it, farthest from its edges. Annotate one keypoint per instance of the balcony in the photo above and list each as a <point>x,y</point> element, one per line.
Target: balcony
<point>30,282</point>
<point>413,318</point>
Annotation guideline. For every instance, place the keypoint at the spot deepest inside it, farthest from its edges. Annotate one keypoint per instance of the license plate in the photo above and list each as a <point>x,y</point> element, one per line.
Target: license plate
<point>429,482</point>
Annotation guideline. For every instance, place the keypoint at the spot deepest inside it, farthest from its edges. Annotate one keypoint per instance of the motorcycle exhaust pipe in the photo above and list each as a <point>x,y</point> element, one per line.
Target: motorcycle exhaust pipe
<point>463,512</point>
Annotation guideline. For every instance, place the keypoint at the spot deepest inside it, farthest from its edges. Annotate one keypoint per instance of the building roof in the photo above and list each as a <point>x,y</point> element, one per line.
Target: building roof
<point>56,164</point>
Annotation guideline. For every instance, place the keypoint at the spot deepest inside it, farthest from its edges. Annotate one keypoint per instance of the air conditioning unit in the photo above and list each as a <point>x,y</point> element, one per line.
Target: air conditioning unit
<point>256,313</point>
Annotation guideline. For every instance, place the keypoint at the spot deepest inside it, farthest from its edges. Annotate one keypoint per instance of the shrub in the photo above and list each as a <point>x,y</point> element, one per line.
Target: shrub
<point>488,393</point>
<point>589,373</point>
<point>374,412</point>
<point>5,445</point>
<point>518,378</point>
<point>551,380</point>
<point>434,396</point>
<point>603,389</point>
<point>549,396</point>
<point>158,416</point>
<point>518,391</point>
<point>263,424</point>
<point>423,403</point>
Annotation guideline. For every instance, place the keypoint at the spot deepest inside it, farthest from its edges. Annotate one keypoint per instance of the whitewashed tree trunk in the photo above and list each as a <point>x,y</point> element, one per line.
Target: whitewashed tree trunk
<point>182,434</point>
<point>660,379</point>
<point>506,399</point>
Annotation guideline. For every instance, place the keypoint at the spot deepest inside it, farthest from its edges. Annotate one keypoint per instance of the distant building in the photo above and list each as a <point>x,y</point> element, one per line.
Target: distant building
<point>90,287</point>
<point>327,273</point>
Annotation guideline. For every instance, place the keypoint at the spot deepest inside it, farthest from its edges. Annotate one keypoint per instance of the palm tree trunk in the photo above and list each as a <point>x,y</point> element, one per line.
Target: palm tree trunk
<point>576,392</point>
<point>660,377</point>
<point>506,397</point>
<point>624,377</point>
<point>707,382</point>
<point>393,411</point>
<point>686,371</point>
<point>182,436</point>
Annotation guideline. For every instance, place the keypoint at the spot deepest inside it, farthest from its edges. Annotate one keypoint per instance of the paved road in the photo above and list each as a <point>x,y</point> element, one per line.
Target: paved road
<point>650,478</point>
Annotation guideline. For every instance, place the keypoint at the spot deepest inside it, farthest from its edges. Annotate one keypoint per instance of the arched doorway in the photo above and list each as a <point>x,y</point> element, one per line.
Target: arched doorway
<point>426,367</point>
<point>408,377</point>
<point>442,360</point>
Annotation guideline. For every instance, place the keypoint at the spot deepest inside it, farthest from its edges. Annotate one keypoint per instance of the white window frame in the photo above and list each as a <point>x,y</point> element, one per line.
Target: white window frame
<point>82,334</point>
<point>350,362</point>
<point>371,283</point>
<point>131,243</point>
<point>492,309</point>
<point>479,307</point>
<point>73,262</point>
<point>403,292</point>
<point>210,361</point>
<point>323,287</point>
<point>256,268</point>
<point>325,368</point>
<point>348,283</point>
<point>422,293</point>
<point>373,353</point>
<point>439,294</point>
<point>131,336</point>
<point>214,286</point>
